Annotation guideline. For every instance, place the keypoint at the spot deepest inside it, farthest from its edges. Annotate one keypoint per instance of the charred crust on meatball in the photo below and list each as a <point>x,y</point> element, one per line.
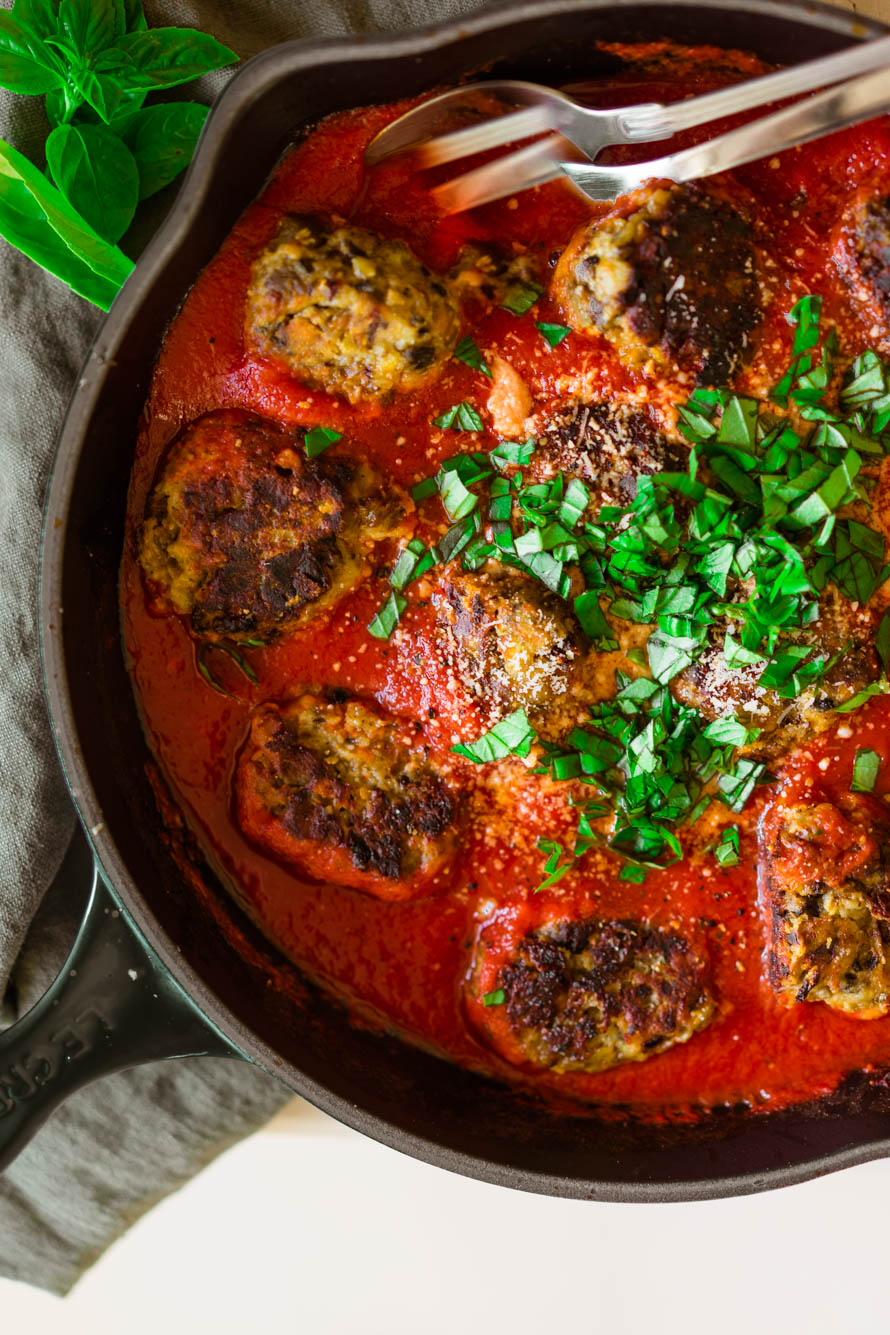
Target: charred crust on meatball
<point>321,777</point>
<point>589,994</point>
<point>349,312</point>
<point>676,279</point>
<point>246,536</point>
<point>873,247</point>
<point>608,445</point>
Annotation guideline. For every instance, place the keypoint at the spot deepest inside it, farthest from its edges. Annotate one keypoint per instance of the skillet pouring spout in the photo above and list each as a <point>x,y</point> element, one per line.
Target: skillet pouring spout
<point>113,1005</point>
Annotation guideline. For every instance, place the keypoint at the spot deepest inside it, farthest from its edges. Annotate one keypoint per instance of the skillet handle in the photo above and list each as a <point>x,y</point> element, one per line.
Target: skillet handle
<point>113,1005</point>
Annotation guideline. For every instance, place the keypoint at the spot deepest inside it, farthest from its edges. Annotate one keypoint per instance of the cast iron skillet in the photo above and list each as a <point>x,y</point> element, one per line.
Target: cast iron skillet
<point>160,970</point>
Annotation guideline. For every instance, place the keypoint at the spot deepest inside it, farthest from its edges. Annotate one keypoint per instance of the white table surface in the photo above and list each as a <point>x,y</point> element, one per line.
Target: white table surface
<point>310,1228</point>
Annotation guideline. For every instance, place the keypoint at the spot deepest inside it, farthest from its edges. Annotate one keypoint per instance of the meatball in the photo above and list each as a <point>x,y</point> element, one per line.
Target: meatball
<point>587,994</point>
<point>873,248</point>
<point>349,312</point>
<point>842,629</point>
<point>607,445</point>
<point>346,794</point>
<point>674,280</point>
<point>511,643</point>
<point>862,253</point>
<point>825,888</point>
<point>247,537</point>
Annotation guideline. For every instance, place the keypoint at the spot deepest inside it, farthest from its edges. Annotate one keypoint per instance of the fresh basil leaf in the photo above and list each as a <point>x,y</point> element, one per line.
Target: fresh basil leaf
<point>520,297</point>
<point>457,537</point>
<point>495,998</point>
<point>593,622</point>
<point>100,90</point>
<point>856,701</point>
<point>28,201</point>
<point>738,785</point>
<point>866,768</point>
<point>406,565</point>
<point>729,732</point>
<point>134,16</point>
<point>164,57</point>
<point>456,498</point>
<point>27,64</point>
<point>91,26</point>
<point>318,439</point>
<point>25,226</point>
<point>513,735</point>
<point>735,655</point>
<point>41,16</point>
<point>882,641</point>
<point>382,625</point>
<point>467,351</point>
<point>545,568</point>
<point>470,468</point>
<point>460,417</point>
<point>553,333</point>
<point>513,452</point>
<point>727,850</point>
<point>97,174</point>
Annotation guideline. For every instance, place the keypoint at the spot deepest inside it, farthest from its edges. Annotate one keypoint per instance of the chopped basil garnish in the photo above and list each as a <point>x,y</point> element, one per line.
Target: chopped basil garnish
<point>729,558</point>
<point>510,452</point>
<point>520,297</point>
<point>457,538</point>
<point>727,850</point>
<point>467,351</point>
<point>405,567</point>
<point>512,736</point>
<point>384,623</point>
<point>456,498</point>
<point>318,439</point>
<point>460,417</point>
<point>866,767</point>
<point>882,641</point>
<point>554,333</point>
<point>495,998</point>
<point>856,701</point>
<point>421,490</point>
<point>593,621</point>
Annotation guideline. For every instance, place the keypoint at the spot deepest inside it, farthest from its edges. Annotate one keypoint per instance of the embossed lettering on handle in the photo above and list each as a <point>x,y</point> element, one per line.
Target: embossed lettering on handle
<point>113,1005</point>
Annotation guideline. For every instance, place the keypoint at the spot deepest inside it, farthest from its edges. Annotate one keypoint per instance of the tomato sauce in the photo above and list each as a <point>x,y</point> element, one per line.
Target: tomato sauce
<point>404,964</point>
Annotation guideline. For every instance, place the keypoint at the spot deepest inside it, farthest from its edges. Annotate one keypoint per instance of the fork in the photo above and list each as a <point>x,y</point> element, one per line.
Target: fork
<point>588,129</point>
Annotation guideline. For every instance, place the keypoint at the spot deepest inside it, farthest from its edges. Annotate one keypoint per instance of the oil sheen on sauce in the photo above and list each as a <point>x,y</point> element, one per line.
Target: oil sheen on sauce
<point>405,963</point>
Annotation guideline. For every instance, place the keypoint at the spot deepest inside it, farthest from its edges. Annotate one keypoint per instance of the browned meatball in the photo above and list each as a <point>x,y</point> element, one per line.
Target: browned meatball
<point>825,887</point>
<point>247,537</point>
<point>349,312</point>
<point>586,995</point>
<point>842,629</point>
<point>347,794</point>
<point>511,643</point>
<point>675,280</point>
<point>873,248</point>
<point>607,445</point>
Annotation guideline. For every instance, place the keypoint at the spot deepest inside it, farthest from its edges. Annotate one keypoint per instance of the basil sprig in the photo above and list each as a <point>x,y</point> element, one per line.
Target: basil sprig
<point>95,62</point>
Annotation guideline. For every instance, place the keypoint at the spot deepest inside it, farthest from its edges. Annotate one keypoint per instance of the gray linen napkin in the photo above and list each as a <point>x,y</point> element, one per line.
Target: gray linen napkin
<point>118,1147</point>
